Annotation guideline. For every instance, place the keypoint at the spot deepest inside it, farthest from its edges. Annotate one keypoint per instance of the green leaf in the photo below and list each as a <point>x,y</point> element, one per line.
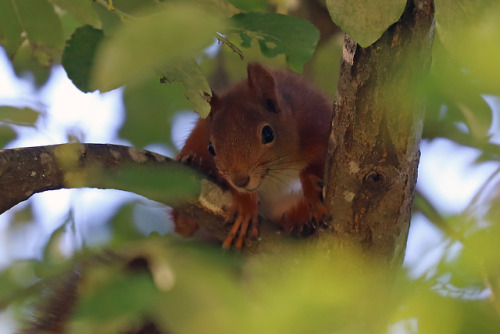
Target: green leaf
<point>250,5</point>
<point>43,30</point>
<point>110,20</point>
<point>455,17</point>
<point>278,34</point>
<point>114,296</point>
<point>6,135</point>
<point>150,106</point>
<point>16,280</point>
<point>82,10</point>
<point>159,184</point>
<point>25,63</point>
<point>469,30</point>
<point>177,32</point>
<point>196,86</point>
<point>10,29</point>
<point>19,116</point>
<point>78,56</point>
<point>69,24</point>
<point>133,6</point>
<point>52,252</point>
<point>365,20</point>
<point>448,84</point>
<point>326,56</point>
<point>223,8</point>
<point>123,227</point>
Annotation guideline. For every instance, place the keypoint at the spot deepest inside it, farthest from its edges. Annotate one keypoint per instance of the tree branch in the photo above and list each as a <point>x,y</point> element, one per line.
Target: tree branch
<point>30,170</point>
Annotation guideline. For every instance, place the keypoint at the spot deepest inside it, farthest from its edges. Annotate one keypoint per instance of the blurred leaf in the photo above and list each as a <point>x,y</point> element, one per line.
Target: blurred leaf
<point>43,29</point>
<point>423,205</point>
<point>153,41</point>
<point>69,24</point>
<point>455,17</point>
<point>124,230</point>
<point>113,301</point>
<point>68,156</point>
<point>469,30</point>
<point>19,116</point>
<point>327,56</point>
<point>189,288</point>
<point>10,29</point>
<point>295,290</point>
<point>454,96</point>
<point>483,42</point>
<point>82,10</point>
<point>480,254</point>
<point>167,183</point>
<point>478,316</point>
<point>478,116</point>
<point>23,216</point>
<point>16,280</point>
<point>78,56</point>
<point>110,20</point>
<point>150,107</point>
<point>365,20</point>
<point>223,8</point>
<point>6,135</point>
<point>196,86</point>
<point>181,276</point>
<point>437,314</point>
<point>26,66</point>
<point>52,250</point>
<point>134,6</point>
<point>32,33</point>
<point>278,34</point>
<point>250,5</point>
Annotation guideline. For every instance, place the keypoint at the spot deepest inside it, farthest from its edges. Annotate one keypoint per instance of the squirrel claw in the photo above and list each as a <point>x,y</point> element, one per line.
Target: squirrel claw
<point>240,232</point>
<point>307,229</point>
<point>304,218</point>
<point>244,214</point>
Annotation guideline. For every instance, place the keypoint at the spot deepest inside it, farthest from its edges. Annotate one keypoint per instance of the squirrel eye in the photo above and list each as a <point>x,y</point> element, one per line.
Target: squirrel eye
<point>211,148</point>
<point>267,134</point>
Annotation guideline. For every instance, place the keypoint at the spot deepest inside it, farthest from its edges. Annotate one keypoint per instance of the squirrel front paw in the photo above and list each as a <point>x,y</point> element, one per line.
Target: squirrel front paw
<point>243,214</point>
<point>304,217</point>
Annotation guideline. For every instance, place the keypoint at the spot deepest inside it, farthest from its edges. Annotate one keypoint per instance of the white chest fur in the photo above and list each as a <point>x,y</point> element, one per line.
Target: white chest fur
<point>278,192</point>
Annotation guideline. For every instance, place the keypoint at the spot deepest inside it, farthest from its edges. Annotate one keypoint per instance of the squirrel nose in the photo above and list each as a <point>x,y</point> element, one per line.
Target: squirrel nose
<point>240,180</point>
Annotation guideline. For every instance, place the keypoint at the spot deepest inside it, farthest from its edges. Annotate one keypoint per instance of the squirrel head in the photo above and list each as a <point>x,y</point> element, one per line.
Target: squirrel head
<point>253,135</point>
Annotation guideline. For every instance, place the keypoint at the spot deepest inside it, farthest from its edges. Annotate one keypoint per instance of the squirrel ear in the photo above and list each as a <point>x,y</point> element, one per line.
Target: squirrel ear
<point>213,100</point>
<point>262,85</point>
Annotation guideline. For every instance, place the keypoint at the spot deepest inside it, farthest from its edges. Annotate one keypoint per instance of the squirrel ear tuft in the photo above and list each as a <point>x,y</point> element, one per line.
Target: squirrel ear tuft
<point>262,85</point>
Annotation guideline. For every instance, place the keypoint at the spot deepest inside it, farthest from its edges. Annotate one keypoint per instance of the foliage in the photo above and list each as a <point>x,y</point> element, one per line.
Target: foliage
<point>158,51</point>
<point>365,20</point>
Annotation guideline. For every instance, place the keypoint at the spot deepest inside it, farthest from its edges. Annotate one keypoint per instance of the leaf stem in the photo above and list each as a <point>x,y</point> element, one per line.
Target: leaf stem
<point>233,47</point>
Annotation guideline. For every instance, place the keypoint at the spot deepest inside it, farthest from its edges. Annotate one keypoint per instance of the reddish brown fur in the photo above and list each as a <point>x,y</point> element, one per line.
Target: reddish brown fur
<point>300,117</point>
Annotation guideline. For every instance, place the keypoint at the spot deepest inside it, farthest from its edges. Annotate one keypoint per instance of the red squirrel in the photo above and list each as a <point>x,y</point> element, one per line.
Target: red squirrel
<point>265,139</point>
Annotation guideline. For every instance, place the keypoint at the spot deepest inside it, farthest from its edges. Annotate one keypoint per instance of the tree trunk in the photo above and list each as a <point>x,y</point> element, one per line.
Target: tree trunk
<point>373,151</point>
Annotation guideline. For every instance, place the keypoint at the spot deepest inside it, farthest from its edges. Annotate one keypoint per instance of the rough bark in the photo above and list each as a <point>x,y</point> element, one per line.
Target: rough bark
<point>373,151</point>
<point>29,170</point>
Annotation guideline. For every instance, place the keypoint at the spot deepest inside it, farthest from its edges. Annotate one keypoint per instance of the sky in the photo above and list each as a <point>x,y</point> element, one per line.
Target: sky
<point>447,173</point>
